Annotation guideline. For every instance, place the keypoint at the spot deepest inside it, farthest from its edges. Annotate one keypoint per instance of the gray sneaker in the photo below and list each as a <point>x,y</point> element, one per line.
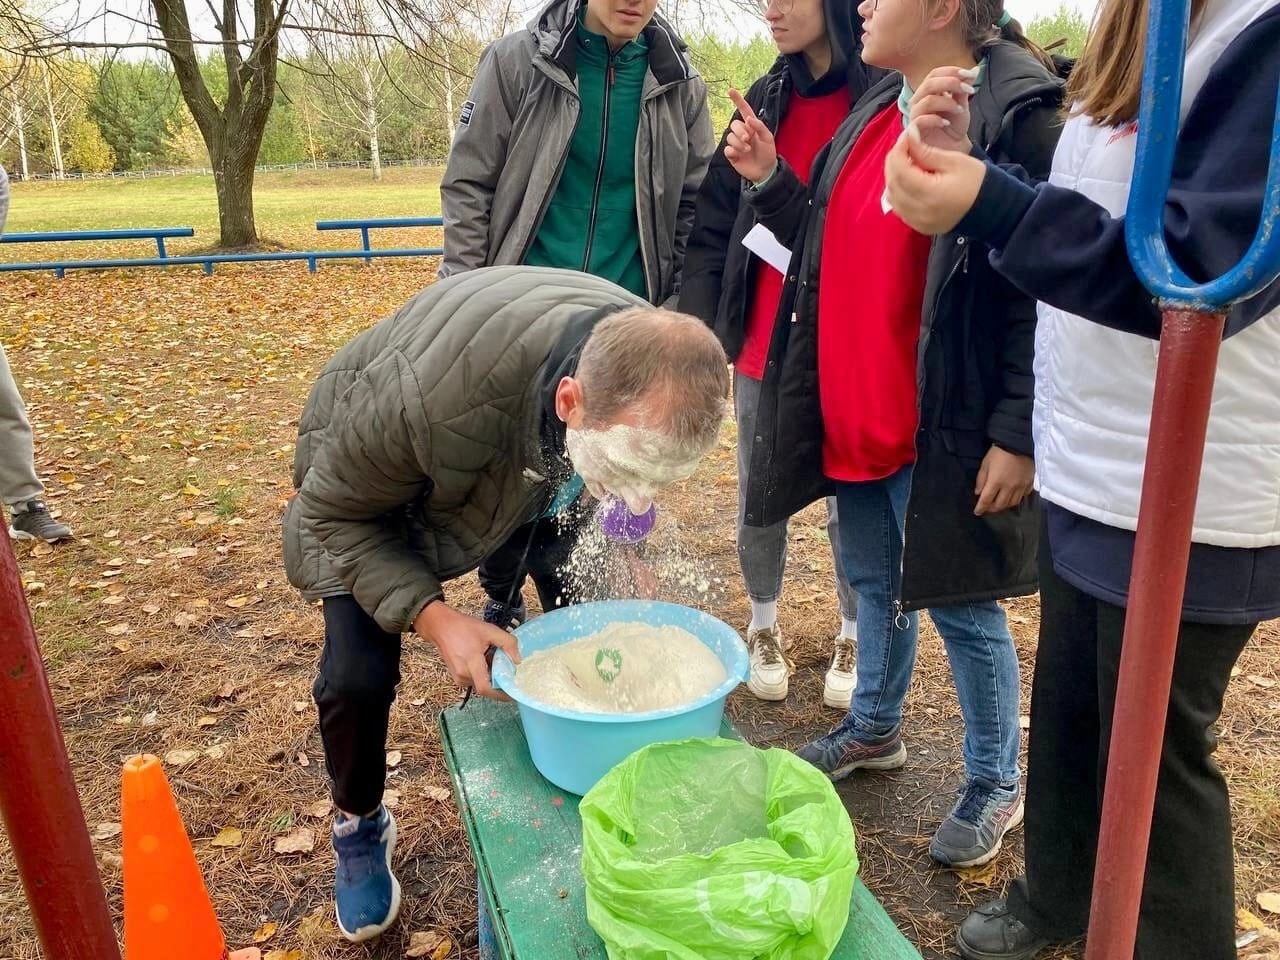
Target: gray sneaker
<point>973,832</point>
<point>32,521</point>
<point>843,751</point>
<point>993,933</point>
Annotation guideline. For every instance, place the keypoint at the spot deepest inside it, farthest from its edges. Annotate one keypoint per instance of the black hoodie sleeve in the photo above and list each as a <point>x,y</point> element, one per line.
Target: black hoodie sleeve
<point>1060,247</point>
<point>714,215</point>
<point>1032,142</point>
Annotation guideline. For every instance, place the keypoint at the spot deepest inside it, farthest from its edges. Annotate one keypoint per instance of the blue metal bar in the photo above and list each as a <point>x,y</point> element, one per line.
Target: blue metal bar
<point>380,223</point>
<point>209,260</point>
<point>364,241</point>
<point>63,236</point>
<point>160,251</point>
<point>1158,123</point>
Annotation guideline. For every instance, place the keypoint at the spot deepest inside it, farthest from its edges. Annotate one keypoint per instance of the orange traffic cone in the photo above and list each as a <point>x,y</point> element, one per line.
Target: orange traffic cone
<point>167,913</point>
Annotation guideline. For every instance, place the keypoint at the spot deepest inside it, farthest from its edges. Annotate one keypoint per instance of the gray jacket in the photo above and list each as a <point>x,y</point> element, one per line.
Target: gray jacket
<point>513,137</point>
<point>430,437</point>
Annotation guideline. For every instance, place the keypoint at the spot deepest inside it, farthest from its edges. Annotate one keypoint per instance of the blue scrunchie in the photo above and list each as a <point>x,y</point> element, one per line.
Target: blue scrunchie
<point>1004,20</point>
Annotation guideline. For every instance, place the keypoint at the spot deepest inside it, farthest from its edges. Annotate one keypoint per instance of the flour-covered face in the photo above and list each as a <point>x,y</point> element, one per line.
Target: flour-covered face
<point>631,463</point>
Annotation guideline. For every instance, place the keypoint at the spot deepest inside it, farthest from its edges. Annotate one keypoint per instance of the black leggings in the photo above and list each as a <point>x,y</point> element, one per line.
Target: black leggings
<point>1188,898</point>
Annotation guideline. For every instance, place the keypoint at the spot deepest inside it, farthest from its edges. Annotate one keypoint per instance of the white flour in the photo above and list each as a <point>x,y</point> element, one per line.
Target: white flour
<point>652,668</point>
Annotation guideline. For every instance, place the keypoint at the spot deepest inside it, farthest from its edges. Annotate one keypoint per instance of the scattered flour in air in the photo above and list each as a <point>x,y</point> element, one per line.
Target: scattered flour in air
<point>624,668</point>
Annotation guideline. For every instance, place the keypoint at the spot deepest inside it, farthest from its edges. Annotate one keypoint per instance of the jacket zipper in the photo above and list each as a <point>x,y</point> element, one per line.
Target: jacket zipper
<point>604,149</point>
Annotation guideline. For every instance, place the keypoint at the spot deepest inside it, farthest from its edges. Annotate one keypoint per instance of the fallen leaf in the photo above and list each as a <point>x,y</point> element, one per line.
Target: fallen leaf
<point>124,646</point>
<point>417,703</point>
<point>228,837</point>
<point>435,946</point>
<point>116,562</point>
<point>151,608</point>
<point>149,719</point>
<point>236,602</point>
<point>180,758</point>
<point>216,752</point>
<point>106,831</point>
<point>1024,722</point>
<point>985,877</point>
<point>227,691</point>
<point>265,932</point>
<point>315,924</point>
<point>35,586</point>
<point>282,955</point>
<point>318,809</point>
<point>300,706</point>
<point>206,721</point>
<point>439,794</point>
<point>183,553</point>
<point>118,629</point>
<point>1266,683</point>
<point>1269,901</point>
<point>191,490</point>
<point>184,620</point>
<point>391,798</point>
<point>1247,921</point>
<point>41,550</point>
<point>303,759</point>
<point>297,840</point>
<point>113,601</point>
<point>393,758</point>
<point>248,633</point>
<point>111,860</point>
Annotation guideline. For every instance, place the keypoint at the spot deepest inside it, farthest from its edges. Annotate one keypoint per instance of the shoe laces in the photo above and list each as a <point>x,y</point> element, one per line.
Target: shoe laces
<point>842,662</point>
<point>362,852</point>
<point>975,802</point>
<point>768,644</point>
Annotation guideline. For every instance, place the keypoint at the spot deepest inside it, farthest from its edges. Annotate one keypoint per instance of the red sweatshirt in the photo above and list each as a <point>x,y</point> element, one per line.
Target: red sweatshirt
<point>807,127</point>
<point>870,296</point>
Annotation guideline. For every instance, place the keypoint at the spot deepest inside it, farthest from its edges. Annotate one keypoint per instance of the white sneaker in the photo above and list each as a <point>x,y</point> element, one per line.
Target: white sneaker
<point>841,679</point>
<point>770,677</point>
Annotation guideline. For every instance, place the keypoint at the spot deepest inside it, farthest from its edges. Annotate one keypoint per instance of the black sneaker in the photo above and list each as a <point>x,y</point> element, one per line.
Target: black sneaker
<point>993,933</point>
<point>32,521</point>
<point>508,618</point>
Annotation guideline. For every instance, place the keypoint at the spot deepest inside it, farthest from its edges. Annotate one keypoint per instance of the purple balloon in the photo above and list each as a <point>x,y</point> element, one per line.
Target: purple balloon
<point>621,525</point>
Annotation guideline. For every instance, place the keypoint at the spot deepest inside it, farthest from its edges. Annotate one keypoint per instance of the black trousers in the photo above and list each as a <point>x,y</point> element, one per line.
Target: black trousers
<point>1188,899</point>
<point>502,573</point>
<point>360,669</point>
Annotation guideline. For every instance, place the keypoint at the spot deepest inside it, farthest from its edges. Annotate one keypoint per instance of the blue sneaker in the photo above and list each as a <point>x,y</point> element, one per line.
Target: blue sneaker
<point>973,832</point>
<point>843,751</point>
<point>366,893</point>
<point>500,615</point>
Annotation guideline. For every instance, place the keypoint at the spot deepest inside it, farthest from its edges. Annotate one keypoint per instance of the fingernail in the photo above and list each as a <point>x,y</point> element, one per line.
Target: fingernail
<point>946,122</point>
<point>969,88</point>
<point>969,73</point>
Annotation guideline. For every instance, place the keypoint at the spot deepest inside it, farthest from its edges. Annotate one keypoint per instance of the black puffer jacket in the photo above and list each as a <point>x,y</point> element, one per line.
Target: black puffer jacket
<point>977,342</point>
<point>719,272</point>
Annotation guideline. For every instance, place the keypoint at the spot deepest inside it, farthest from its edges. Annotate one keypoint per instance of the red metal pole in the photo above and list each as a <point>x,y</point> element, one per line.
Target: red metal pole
<point>1189,343</point>
<point>38,798</point>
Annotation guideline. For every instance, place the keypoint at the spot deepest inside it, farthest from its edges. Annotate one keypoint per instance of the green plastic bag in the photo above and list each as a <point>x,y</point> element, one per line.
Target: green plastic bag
<point>714,850</point>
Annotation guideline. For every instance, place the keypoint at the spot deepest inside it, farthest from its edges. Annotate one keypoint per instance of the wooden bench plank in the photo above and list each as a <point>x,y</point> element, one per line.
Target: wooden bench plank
<point>527,839</point>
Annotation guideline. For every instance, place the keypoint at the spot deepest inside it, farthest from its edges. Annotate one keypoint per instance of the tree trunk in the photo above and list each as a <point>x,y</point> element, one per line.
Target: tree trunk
<point>233,172</point>
<point>55,137</point>
<point>371,123</point>
<point>450,118</point>
<point>20,124</point>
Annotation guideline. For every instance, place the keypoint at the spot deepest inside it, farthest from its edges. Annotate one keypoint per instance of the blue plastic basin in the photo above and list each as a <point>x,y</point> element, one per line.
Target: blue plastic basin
<point>574,749</point>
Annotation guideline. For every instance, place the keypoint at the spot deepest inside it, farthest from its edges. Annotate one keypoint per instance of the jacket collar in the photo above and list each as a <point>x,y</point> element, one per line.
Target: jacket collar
<point>554,27</point>
<point>544,430</point>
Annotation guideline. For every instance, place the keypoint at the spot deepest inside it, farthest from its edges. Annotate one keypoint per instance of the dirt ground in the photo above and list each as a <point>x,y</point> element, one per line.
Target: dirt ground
<point>165,408</point>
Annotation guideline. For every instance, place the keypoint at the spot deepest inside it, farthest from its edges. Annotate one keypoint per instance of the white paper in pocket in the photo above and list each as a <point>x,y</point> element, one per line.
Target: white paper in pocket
<point>761,241</point>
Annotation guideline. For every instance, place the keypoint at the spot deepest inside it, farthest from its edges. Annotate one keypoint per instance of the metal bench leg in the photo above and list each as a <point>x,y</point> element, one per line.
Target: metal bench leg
<point>160,248</point>
<point>488,942</point>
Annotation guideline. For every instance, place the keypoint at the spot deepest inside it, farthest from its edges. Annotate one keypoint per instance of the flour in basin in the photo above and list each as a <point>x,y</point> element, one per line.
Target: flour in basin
<point>623,668</point>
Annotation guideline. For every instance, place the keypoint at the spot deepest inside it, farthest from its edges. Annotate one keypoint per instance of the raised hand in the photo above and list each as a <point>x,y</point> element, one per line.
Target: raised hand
<point>940,108</point>
<point>749,147</point>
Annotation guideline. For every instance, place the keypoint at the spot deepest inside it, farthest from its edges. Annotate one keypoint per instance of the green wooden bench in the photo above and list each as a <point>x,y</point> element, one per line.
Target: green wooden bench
<point>527,840</point>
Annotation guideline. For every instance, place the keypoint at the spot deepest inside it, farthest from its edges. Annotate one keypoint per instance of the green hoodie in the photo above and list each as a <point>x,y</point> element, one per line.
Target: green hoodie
<point>591,223</point>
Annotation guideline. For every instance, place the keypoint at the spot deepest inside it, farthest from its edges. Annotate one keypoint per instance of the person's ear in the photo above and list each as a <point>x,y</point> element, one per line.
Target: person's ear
<point>569,405</point>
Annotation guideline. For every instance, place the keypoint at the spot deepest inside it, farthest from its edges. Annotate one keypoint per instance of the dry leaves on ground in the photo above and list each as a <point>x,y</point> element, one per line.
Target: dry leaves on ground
<point>297,840</point>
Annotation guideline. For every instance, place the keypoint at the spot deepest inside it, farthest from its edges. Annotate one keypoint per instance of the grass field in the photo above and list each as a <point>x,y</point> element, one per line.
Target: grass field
<point>286,206</point>
<point>165,407</point>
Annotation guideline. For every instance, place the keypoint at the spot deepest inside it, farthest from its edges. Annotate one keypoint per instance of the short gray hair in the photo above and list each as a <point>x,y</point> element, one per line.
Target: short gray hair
<point>645,354</point>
